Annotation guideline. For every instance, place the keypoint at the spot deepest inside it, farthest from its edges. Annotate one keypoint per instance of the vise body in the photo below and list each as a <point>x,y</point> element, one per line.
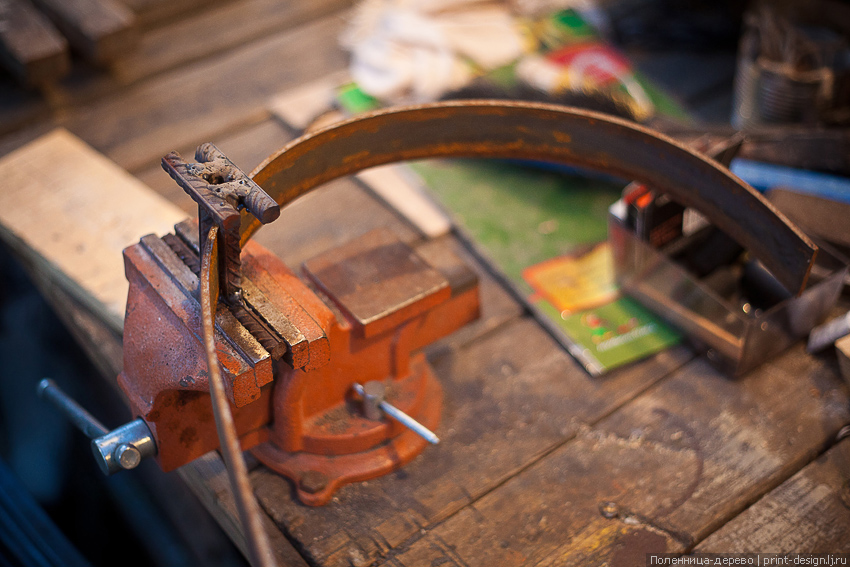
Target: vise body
<point>291,346</point>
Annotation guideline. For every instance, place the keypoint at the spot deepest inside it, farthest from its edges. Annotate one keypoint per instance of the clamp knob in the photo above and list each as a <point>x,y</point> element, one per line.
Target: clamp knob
<point>122,448</point>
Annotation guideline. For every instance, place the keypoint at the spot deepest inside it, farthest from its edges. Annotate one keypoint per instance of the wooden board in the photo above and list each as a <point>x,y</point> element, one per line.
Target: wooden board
<point>30,47</point>
<point>77,211</point>
<point>510,398</point>
<point>675,464</point>
<point>808,513</point>
<point>152,12</point>
<point>205,100</point>
<point>532,446</point>
<point>100,30</point>
<point>224,26</point>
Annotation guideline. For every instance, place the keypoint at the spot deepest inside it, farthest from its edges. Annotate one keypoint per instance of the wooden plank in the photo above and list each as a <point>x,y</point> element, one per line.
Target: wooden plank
<point>208,98</point>
<point>30,47</point>
<point>675,464</point>
<point>300,106</point>
<point>155,12</point>
<point>400,188</point>
<point>808,513</point>
<point>207,477</point>
<point>510,398</point>
<point>327,217</point>
<point>75,211</point>
<point>79,193</point>
<point>222,27</point>
<point>100,30</point>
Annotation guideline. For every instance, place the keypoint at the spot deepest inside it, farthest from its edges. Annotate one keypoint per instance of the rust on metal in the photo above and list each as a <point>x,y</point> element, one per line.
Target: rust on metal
<point>549,133</point>
<point>378,281</point>
<point>259,549</point>
<point>221,189</point>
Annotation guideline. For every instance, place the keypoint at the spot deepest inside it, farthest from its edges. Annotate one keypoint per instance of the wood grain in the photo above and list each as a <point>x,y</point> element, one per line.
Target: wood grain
<point>808,513</point>
<point>72,212</point>
<point>30,47</point>
<point>510,397</point>
<point>207,99</point>
<point>678,462</point>
<point>69,230</point>
<point>154,12</point>
<point>207,477</point>
<point>224,26</point>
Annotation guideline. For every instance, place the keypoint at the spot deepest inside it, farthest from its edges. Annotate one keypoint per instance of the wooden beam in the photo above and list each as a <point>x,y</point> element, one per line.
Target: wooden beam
<point>30,47</point>
<point>808,513</point>
<point>100,30</point>
<point>201,101</point>
<point>72,212</point>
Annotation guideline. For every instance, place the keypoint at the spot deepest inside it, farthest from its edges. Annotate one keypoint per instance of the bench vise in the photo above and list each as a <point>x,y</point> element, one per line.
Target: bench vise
<point>291,346</point>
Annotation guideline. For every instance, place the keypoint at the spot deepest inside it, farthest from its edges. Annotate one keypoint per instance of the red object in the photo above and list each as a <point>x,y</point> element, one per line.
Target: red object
<point>365,311</point>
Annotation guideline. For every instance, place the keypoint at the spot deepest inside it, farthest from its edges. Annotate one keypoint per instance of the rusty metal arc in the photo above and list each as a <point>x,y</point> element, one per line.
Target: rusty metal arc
<point>542,132</point>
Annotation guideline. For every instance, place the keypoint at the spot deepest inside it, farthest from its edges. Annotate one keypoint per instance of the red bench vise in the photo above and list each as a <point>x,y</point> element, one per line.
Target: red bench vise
<point>291,346</point>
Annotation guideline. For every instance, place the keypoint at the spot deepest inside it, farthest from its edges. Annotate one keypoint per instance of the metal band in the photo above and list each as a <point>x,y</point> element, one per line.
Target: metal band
<point>548,133</point>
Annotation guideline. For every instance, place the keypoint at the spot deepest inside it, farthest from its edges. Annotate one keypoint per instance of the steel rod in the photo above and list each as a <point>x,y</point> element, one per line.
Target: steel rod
<point>85,422</point>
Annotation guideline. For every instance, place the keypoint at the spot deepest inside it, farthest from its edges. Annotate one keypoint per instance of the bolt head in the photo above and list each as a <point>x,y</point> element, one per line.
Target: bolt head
<point>127,456</point>
<point>609,509</point>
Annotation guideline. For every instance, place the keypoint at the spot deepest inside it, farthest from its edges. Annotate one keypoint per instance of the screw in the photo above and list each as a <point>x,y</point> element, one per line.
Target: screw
<point>312,482</point>
<point>609,510</point>
<point>127,456</point>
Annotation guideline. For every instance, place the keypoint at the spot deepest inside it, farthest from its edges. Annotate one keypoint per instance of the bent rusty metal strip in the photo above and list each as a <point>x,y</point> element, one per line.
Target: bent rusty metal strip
<point>545,133</point>
<point>259,549</point>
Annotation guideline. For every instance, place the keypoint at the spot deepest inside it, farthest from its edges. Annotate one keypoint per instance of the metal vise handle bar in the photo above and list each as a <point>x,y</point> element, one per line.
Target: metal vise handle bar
<point>548,133</point>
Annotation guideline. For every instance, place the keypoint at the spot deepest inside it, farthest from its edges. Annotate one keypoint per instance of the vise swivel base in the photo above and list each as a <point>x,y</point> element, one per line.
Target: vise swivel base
<point>293,348</point>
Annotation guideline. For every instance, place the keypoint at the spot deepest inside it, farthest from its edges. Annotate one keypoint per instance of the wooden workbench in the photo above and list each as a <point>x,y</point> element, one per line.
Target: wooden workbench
<point>539,462</point>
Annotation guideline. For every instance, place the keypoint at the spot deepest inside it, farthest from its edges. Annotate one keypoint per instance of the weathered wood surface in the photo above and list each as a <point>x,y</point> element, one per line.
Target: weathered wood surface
<point>201,72</point>
<point>152,12</point>
<point>511,397</point>
<point>675,464</point>
<point>207,477</point>
<point>226,26</point>
<point>205,100</point>
<point>30,47</point>
<point>69,232</point>
<point>808,513</point>
<point>76,211</point>
<point>100,30</point>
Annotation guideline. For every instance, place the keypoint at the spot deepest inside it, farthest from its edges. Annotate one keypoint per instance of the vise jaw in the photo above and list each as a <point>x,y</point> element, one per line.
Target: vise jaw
<point>291,346</point>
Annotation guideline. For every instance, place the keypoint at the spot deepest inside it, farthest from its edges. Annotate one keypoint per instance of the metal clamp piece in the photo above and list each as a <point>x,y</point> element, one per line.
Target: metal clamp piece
<point>120,449</point>
<point>221,190</point>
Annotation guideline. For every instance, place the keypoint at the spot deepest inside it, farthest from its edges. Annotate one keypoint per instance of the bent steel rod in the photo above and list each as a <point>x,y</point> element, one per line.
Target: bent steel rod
<point>543,132</point>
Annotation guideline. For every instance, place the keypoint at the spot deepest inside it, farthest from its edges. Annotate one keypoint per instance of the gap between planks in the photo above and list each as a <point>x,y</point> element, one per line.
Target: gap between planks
<point>674,472</point>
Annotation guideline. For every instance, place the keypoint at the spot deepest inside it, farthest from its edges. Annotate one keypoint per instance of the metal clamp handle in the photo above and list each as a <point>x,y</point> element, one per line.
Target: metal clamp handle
<point>122,448</point>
